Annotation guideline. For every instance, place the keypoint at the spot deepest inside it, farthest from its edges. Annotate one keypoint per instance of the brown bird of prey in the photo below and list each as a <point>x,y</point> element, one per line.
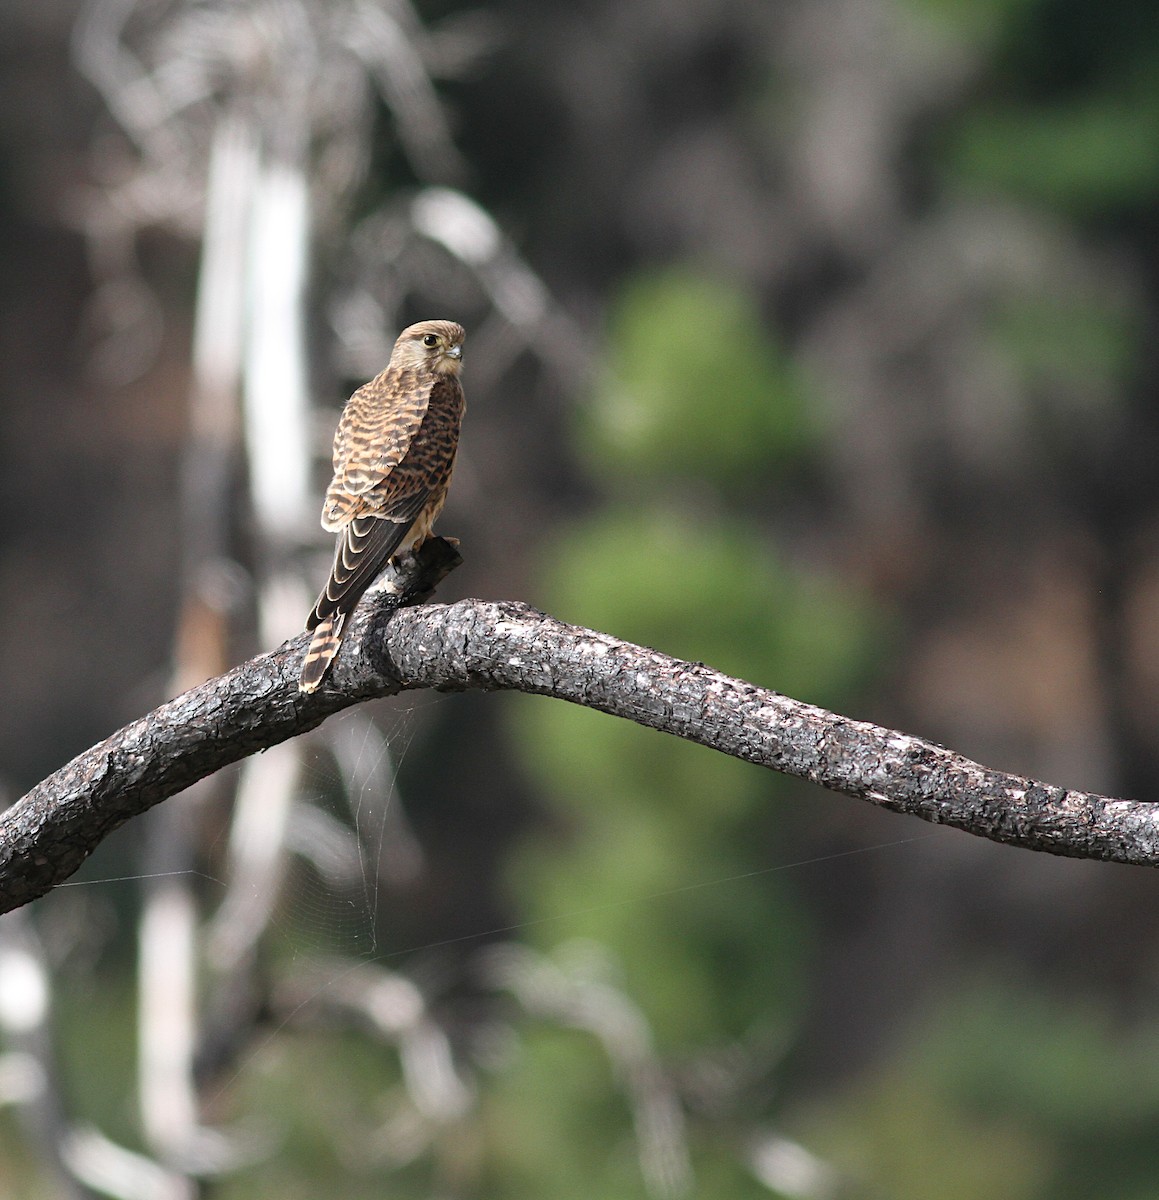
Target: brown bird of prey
<point>393,456</point>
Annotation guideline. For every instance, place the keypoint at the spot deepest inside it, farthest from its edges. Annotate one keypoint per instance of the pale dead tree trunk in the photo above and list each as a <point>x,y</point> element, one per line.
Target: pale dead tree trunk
<point>395,644</point>
<point>167,963</point>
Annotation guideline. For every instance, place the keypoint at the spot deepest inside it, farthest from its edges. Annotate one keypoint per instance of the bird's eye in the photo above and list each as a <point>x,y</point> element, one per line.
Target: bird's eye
<point>431,340</point>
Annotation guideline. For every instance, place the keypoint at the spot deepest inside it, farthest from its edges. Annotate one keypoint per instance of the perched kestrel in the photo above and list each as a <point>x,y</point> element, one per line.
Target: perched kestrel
<point>393,456</point>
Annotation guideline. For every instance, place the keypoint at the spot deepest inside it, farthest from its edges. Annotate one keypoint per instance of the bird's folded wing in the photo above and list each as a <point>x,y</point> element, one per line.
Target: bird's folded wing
<point>363,548</point>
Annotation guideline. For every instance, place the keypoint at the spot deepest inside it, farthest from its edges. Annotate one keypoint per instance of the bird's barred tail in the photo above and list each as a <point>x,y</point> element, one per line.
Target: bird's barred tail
<point>323,647</point>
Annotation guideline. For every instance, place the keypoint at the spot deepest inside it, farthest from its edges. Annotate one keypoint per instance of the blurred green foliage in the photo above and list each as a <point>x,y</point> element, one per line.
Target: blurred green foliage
<point>695,387</point>
<point>1068,343</point>
<point>23,1174</point>
<point>318,1143</point>
<point>97,1051</point>
<point>1059,1094</point>
<point>972,21</point>
<point>1084,159</point>
<point>1070,117</point>
<point>580,1136</point>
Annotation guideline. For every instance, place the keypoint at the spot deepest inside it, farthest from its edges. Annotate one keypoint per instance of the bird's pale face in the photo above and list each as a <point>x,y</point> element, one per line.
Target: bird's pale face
<point>436,345</point>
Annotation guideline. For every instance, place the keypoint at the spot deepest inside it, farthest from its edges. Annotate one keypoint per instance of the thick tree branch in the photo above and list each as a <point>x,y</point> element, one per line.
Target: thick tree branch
<point>506,645</point>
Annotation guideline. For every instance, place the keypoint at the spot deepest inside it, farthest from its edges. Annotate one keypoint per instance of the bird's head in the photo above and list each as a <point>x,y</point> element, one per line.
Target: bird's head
<point>437,345</point>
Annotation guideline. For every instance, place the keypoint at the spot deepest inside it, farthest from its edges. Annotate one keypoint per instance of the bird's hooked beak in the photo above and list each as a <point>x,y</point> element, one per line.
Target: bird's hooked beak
<point>454,351</point>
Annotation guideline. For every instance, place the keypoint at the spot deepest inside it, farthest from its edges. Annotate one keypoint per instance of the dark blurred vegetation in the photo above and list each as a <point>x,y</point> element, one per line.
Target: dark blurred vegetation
<point>873,286</point>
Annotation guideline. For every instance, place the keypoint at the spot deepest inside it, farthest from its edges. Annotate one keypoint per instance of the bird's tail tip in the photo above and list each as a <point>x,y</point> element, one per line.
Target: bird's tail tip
<point>321,653</point>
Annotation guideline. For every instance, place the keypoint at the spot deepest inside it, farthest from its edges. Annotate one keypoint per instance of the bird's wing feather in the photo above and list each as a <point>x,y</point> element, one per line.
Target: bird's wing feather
<point>365,544</point>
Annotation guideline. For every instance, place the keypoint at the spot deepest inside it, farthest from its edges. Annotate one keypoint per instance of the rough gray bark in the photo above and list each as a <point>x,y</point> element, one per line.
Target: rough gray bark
<point>507,645</point>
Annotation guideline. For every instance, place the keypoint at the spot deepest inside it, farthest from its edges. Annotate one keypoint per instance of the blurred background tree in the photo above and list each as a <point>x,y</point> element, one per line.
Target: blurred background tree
<point>807,339</point>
